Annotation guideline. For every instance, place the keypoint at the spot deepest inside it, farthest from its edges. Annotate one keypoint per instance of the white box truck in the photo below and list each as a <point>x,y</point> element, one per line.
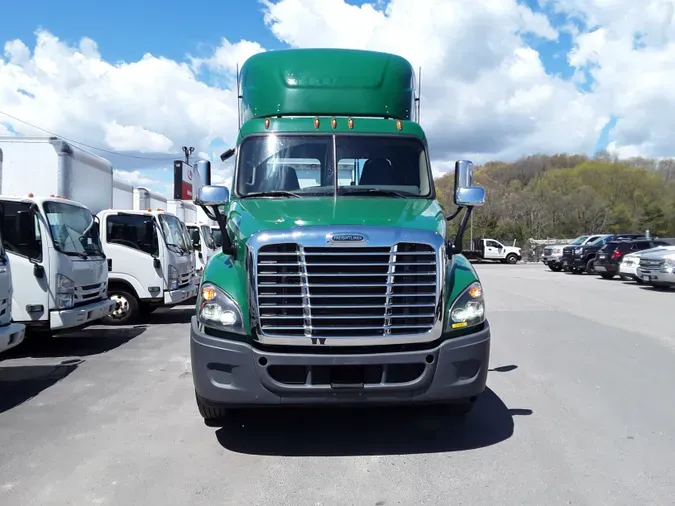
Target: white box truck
<point>11,334</point>
<point>49,191</point>
<point>149,262</point>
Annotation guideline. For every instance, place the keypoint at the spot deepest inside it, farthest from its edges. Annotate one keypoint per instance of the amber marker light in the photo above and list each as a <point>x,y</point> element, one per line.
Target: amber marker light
<point>350,123</point>
<point>316,123</point>
<point>267,122</point>
<point>475,292</point>
<point>333,123</point>
<point>208,293</point>
<point>399,125</point>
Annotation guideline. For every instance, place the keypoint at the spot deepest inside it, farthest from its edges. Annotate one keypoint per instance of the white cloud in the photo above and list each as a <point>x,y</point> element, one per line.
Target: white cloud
<point>485,93</point>
<point>134,177</point>
<point>227,56</point>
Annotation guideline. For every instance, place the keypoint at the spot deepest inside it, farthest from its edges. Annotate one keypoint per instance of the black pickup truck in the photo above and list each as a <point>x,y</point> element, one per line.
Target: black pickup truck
<point>579,259</point>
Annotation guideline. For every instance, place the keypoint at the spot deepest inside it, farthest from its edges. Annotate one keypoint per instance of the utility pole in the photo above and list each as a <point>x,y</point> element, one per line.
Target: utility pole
<point>188,152</point>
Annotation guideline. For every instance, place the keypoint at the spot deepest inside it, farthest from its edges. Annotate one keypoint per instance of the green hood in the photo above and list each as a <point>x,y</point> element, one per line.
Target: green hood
<point>249,216</point>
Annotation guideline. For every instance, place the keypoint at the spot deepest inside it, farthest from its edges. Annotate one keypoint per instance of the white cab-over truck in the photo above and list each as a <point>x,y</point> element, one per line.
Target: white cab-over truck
<point>149,262</point>
<point>201,238</point>
<point>49,190</point>
<point>11,334</point>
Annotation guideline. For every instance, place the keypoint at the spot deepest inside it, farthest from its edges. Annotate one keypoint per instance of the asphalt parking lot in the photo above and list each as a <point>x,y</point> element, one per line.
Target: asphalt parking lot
<point>579,411</point>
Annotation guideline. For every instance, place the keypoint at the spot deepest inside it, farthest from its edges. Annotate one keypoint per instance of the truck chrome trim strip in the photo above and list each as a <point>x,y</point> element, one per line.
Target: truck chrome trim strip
<point>303,307</point>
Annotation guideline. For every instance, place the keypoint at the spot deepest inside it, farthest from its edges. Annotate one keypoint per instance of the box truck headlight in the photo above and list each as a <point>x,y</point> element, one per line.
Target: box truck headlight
<point>216,309</point>
<point>173,278</point>
<point>469,308</point>
<point>65,292</point>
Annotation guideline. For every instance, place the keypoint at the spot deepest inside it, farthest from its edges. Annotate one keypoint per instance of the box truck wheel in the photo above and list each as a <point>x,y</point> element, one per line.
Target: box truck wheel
<point>126,308</point>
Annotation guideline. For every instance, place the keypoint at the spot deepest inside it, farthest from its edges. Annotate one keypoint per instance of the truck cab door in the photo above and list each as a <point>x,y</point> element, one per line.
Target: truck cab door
<point>493,250</point>
<point>22,233</point>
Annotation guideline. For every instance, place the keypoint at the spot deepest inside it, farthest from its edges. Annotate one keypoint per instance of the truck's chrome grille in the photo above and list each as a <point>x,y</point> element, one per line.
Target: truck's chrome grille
<point>652,263</point>
<point>327,292</point>
<point>86,294</point>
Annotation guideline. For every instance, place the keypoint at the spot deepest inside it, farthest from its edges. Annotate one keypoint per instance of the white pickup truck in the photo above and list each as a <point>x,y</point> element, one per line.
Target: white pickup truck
<point>490,249</point>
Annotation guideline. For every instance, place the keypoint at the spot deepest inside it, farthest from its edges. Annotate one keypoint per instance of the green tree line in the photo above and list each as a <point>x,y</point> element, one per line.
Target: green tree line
<point>563,196</point>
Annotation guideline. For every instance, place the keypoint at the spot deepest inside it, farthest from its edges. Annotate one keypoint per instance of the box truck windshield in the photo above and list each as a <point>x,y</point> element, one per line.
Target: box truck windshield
<point>173,234</point>
<point>72,228</point>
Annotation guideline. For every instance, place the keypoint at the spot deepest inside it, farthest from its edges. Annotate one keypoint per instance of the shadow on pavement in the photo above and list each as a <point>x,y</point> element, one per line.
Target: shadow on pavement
<point>369,431</point>
<point>80,343</point>
<point>656,288</point>
<point>171,316</point>
<point>19,384</point>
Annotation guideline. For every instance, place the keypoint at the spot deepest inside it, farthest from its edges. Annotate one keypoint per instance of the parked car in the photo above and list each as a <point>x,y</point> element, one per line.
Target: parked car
<point>609,256</point>
<point>580,259</point>
<point>552,256</point>
<point>658,268</point>
<point>631,261</point>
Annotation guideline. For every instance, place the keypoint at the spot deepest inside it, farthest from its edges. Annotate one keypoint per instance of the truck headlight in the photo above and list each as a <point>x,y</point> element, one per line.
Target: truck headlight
<point>669,263</point>
<point>578,251</point>
<point>173,277</point>
<point>218,310</point>
<point>65,292</point>
<point>469,308</point>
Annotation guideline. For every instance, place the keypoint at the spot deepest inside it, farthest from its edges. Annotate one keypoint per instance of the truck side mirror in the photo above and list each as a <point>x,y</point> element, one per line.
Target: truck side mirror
<point>466,194</point>
<point>212,196</point>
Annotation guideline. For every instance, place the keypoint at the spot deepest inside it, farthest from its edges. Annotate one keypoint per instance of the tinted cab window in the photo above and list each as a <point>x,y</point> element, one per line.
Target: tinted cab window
<point>136,232</point>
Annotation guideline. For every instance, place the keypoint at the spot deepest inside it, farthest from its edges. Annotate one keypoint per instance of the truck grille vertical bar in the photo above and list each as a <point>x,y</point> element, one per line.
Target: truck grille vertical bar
<point>390,291</point>
<point>306,302</point>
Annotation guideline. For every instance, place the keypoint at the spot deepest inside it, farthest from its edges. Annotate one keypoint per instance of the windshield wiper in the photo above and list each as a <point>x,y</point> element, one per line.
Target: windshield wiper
<point>273,193</point>
<point>376,191</point>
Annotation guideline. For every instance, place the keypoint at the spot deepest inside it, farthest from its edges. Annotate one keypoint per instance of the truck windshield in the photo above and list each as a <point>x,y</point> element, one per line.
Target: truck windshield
<point>208,238</point>
<point>304,165</point>
<point>579,240</point>
<point>186,237</point>
<point>217,237</point>
<point>73,229</point>
<point>172,233</point>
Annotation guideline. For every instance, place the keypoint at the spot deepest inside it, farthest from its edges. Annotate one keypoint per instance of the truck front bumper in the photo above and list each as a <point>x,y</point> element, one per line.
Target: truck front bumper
<point>656,276</point>
<point>67,318</point>
<point>11,335</point>
<point>182,294</point>
<point>233,373</point>
<point>552,260</point>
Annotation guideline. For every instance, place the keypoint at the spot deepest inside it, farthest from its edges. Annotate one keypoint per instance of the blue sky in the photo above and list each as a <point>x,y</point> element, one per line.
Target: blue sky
<point>125,30</point>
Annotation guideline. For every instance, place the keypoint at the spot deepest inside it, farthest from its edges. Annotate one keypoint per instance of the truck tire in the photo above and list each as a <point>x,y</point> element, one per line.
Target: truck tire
<point>606,275</point>
<point>555,268</point>
<point>214,415</point>
<point>126,311</point>
<point>590,266</point>
<point>511,258</point>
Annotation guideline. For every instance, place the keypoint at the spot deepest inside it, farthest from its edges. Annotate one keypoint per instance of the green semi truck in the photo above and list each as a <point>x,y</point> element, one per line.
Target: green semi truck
<point>338,282</point>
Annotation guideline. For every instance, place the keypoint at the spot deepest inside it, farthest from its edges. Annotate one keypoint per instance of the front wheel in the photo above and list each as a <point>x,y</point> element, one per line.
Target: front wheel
<point>214,415</point>
<point>126,308</point>
<point>555,267</point>
<point>511,258</point>
<point>590,266</point>
<point>606,275</point>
